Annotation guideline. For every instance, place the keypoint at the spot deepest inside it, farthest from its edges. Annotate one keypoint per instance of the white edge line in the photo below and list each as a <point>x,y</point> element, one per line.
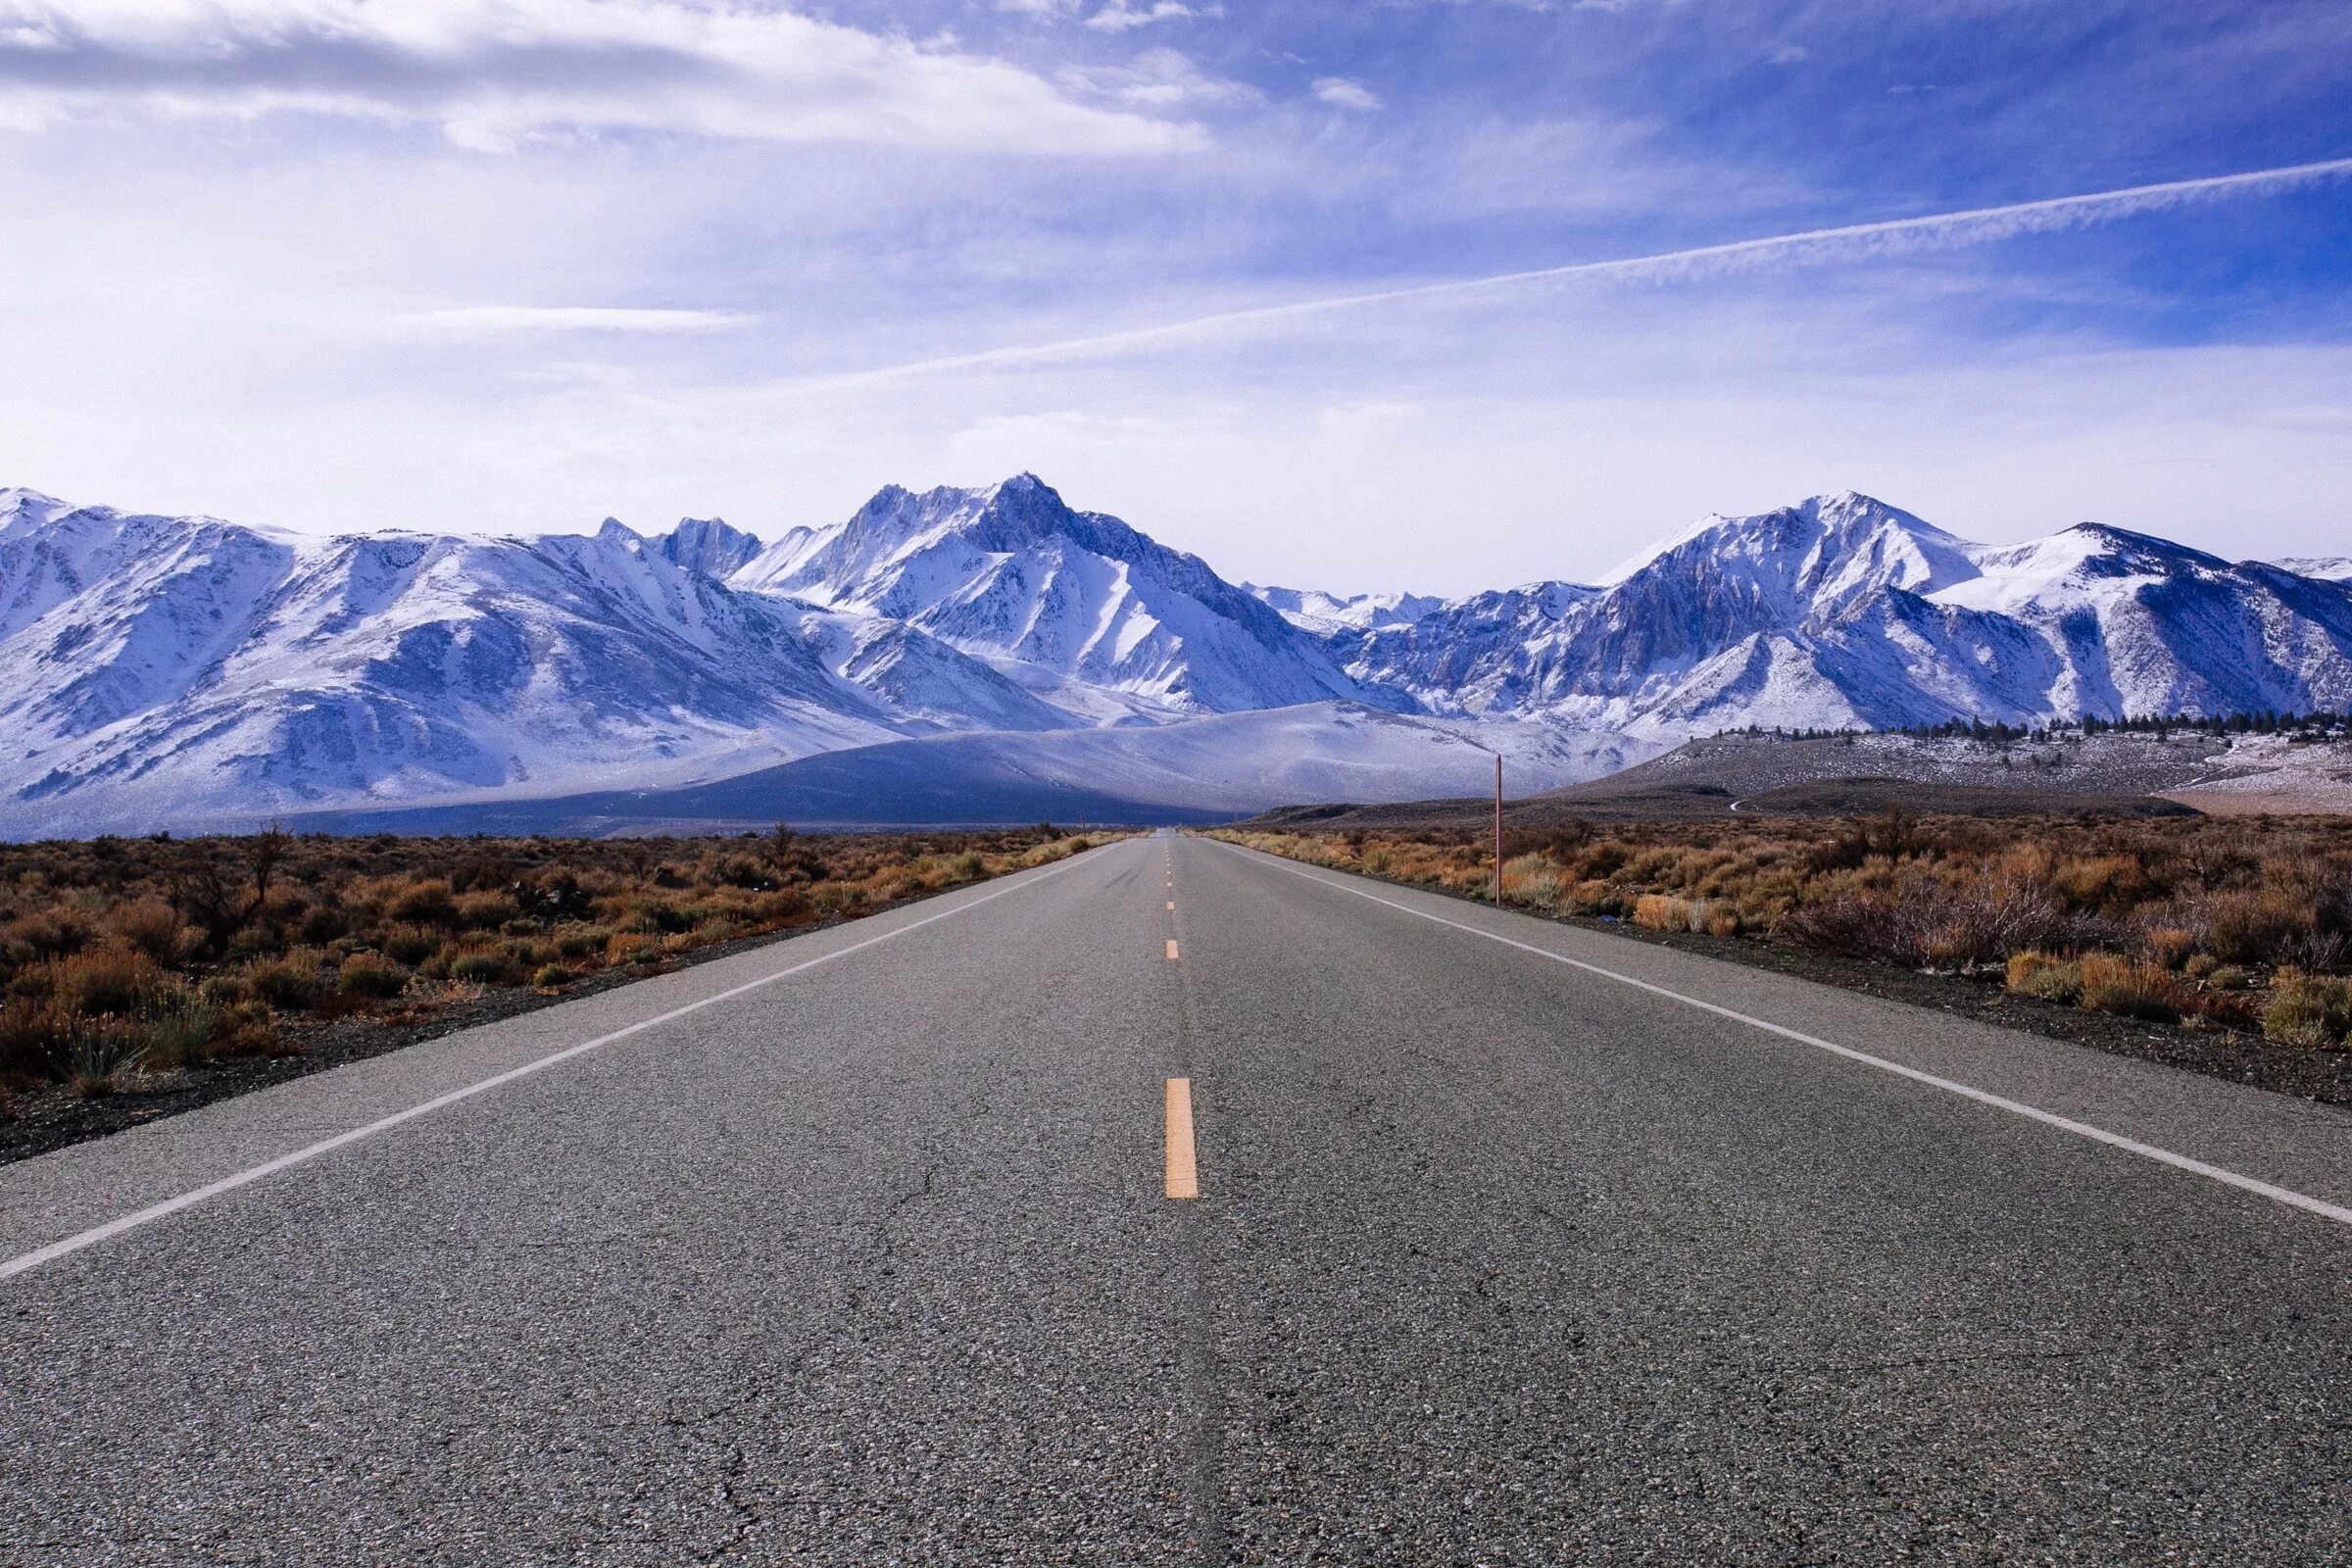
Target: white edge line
<point>2081,1129</point>
<point>228,1183</point>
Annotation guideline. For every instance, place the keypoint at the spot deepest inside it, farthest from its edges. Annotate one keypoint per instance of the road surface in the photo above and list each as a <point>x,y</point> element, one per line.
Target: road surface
<point>859,1249</point>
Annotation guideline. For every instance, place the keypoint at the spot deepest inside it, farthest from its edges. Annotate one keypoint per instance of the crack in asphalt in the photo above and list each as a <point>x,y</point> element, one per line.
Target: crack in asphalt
<point>879,1251</point>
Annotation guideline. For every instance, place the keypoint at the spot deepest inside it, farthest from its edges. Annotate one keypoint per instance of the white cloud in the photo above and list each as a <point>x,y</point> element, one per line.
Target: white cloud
<point>1121,15</point>
<point>1342,93</point>
<point>491,320</point>
<point>1789,54</point>
<point>1113,15</point>
<point>1159,79</point>
<point>495,73</point>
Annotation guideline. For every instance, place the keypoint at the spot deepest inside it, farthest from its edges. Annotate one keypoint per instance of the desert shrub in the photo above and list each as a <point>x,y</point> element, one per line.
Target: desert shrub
<point>2200,965</point>
<point>180,1031</point>
<point>424,901</point>
<point>1923,921</point>
<point>106,983</point>
<point>2315,950</point>
<point>367,976</point>
<point>485,911</point>
<point>632,947</point>
<point>551,976</point>
<point>291,982</point>
<point>655,917</point>
<point>2132,988</point>
<point>1542,892</point>
<point>2051,979</point>
<point>225,990</point>
<point>2229,1008</point>
<point>1596,897</point>
<point>56,932</point>
<point>482,967</point>
<point>2308,1009</point>
<point>246,1030</point>
<point>411,944</point>
<point>1668,912</point>
<point>2103,881</point>
<point>321,924</point>
<point>150,927</point>
<point>781,908</point>
<point>577,942</point>
<point>2254,927</point>
<point>2170,944</point>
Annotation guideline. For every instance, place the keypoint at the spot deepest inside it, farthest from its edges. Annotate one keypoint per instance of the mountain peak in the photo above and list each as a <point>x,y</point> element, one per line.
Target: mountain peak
<point>2142,549</point>
<point>707,545</point>
<point>1822,539</point>
<point>29,507</point>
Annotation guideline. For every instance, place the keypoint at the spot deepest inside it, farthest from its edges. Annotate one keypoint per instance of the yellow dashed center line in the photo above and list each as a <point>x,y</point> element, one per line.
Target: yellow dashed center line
<point>1183,1175</point>
<point>1171,950</point>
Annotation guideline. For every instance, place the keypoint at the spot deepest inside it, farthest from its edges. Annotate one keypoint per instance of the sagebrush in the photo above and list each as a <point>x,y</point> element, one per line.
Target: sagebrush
<point>2238,922</point>
<point>118,954</point>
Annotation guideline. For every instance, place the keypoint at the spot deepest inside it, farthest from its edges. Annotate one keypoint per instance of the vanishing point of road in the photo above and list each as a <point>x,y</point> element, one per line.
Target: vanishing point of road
<point>1508,1242</point>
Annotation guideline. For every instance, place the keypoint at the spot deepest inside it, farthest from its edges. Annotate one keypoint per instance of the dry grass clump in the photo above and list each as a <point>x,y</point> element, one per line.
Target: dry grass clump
<point>2241,923</point>
<point>118,957</point>
<point>2309,1010</point>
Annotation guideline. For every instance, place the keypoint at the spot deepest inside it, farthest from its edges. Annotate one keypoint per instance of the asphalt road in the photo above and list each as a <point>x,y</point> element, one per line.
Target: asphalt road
<point>867,1260</point>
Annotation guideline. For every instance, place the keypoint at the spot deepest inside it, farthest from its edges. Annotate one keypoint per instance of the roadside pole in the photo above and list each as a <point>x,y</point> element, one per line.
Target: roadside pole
<point>1499,830</point>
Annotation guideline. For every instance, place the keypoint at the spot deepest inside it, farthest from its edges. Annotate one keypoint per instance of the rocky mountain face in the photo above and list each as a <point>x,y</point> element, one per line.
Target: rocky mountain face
<point>1074,598</point>
<point>173,672</point>
<point>1844,611</point>
<point>160,670</point>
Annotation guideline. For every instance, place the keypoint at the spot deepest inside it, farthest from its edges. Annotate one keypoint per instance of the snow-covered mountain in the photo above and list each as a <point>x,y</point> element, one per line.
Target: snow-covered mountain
<point>1845,612</point>
<point>173,672</point>
<point>155,670</point>
<point>1073,599</point>
<point>1312,610</point>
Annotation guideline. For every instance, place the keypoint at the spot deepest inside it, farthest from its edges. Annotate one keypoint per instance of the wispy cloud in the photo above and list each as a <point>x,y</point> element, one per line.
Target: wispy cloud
<point>1160,79</point>
<point>1342,93</point>
<point>1121,16</point>
<point>491,74</point>
<point>1113,15</point>
<point>485,321</point>
<point>1845,242</point>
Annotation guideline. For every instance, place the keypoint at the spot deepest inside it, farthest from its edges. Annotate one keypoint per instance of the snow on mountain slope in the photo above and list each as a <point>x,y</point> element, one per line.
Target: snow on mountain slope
<point>1312,610</point>
<point>1843,611</point>
<point>1011,572</point>
<point>2327,568</point>
<point>921,678</point>
<point>157,666</point>
<point>155,670</point>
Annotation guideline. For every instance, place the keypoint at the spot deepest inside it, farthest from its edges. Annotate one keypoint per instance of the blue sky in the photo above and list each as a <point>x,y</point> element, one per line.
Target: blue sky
<point>328,263</point>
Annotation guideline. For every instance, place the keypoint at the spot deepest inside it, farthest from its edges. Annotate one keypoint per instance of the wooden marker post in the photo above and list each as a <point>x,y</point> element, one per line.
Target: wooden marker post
<point>1499,830</point>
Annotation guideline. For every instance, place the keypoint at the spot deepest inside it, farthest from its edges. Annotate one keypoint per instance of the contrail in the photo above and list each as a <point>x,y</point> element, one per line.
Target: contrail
<point>1973,225</point>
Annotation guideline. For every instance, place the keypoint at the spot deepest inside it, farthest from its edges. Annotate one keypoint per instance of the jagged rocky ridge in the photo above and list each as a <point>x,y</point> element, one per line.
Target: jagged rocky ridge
<point>179,671</point>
